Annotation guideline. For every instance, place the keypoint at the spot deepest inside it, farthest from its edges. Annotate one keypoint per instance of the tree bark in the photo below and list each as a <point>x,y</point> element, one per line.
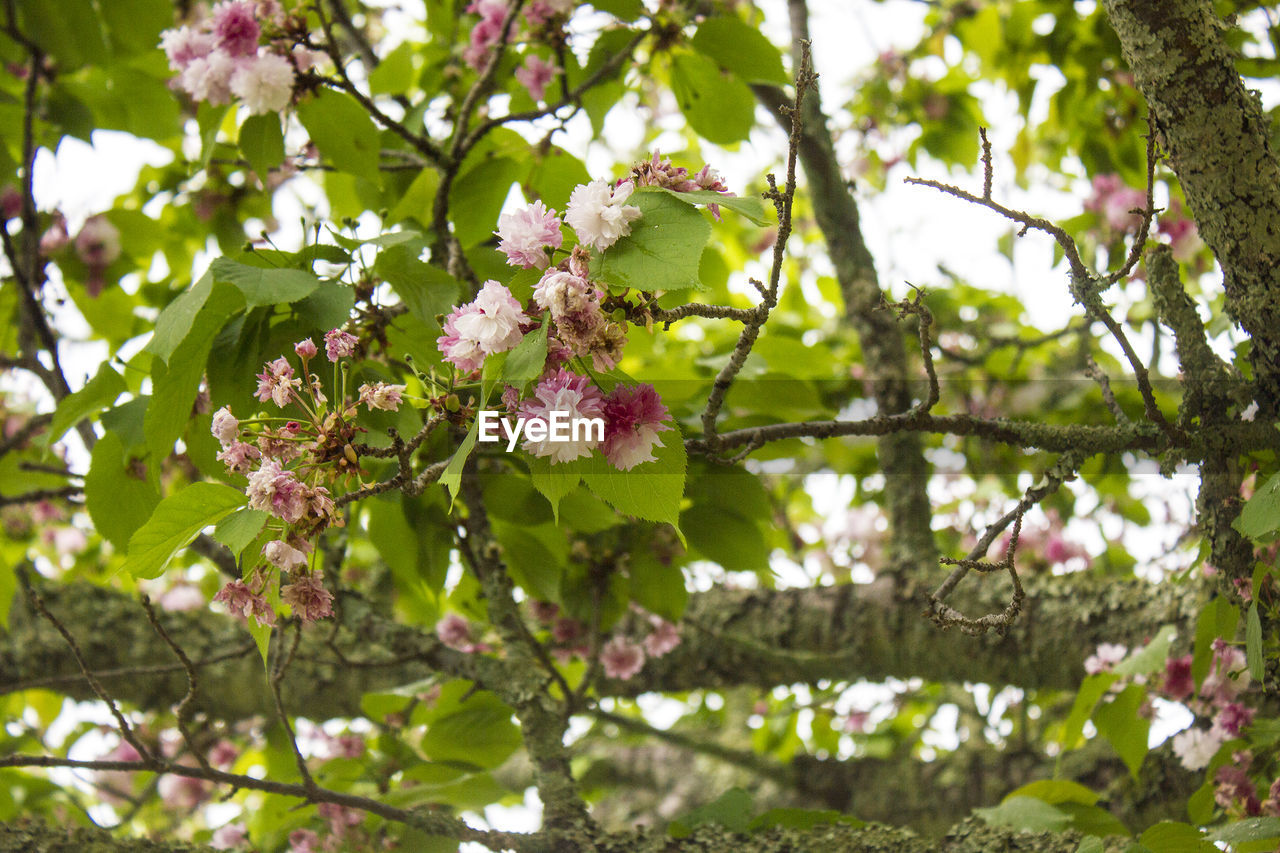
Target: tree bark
<point>729,638</point>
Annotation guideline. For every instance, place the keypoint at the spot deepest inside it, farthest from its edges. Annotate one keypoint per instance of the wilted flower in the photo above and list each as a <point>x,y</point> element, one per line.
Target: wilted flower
<point>339,344</point>
<point>308,597</point>
<point>380,395</point>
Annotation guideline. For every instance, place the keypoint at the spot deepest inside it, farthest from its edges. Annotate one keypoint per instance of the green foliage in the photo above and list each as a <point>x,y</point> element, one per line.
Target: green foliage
<point>663,250</point>
<point>175,522</point>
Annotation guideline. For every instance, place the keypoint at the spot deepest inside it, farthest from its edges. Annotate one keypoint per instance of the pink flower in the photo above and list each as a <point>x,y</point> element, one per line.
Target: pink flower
<point>380,395</point>
<point>1118,207</point>
<point>577,399</point>
<point>339,344</point>
<point>1234,789</point>
<point>183,793</point>
<point>566,630</point>
<point>243,602</point>
<point>1227,675</point>
<point>544,611</point>
<point>98,243</point>
<point>535,74</point>
<point>1183,236</point>
<point>228,835</point>
<point>183,44</point>
<point>528,233</point>
<point>599,213</point>
<point>339,817</point>
<point>235,28</point>
<point>1107,656</point>
<point>55,239</point>
<point>264,83</point>
<point>1232,719</point>
<point>181,597</point>
<point>225,427</point>
<point>495,326</point>
<point>278,492</point>
<point>239,456</point>
<point>459,350</point>
<point>634,416</point>
<point>486,33</point>
<point>277,383</point>
<point>115,784</point>
<point>305,349</point>
<point>664,637</point>
<point>347,746</point>
<point>282,555</point>
<point>621,658</point>
<point>1195,748</point>
<point>308,597</point>
<point>208,78</point>
<point>304,841</point>
<point>223,754</point>
<point>564,294</point>
<point>454,631</point>
<point>1178,683</point>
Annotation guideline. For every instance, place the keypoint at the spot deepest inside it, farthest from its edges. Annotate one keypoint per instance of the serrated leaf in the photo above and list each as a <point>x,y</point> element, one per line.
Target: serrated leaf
<point>742,49</point>
<point>1170,837</point>
<point>719,107</point>
<point>481,735</point>
<point>265,286</point>
<point>1260,516</point>
<point>1253,644</point>
<point>663,250</point>
<point>451,479</point>
<point>553,481</point>
<point>176,521</point>
<point>1121,724</point>
<point>118,502</point>
<point>1249,829</point>
<point>239,529</point>
<point>262,143</point>
<point>175,321</point>
<point>97,394</point>
<point>424,289</point>
<point>343,132</point>
<point>525,362</point>
<point>749,206</point>
<point>651,491</point>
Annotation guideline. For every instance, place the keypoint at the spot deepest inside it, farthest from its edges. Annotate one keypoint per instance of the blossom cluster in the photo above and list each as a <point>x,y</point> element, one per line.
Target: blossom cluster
<point>1217,698</point>
<point>536,73</point>
<point>288,462</point>
<point>223,57</point>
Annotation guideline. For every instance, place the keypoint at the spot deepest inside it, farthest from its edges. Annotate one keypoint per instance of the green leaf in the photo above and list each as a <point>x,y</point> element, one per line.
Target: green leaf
<point>118,502</point>
<point>1121,724</point>
<point>742,49</point>
<point>480,735</point>
<point>525,362</point>
<point>1170,837</point>
<point>424,289</point>
<point>623,10</point>
<point>1151,658</point>
<point>1091,690</point>
<point>394,74</point>
<point>343,132</point>
<point>98,393</point>
<point>1091,844</point>
<point>1249,829</point>
<point>265,286</point>
<point>1026,813</point>
<point>732,810</point>
<point>451,479</point>
<point>1253,644</point>
<point>719,107</point>
<point>1260,516</point>
<point>262,143</point>
<point>209,119</point>
<point>651,491</point>
<point>477,197</point>
<point>553,481</point>
<point>1218,619</point>
<point>175,321</point>
<point>725,537</point>
<point>174,386</point>
<point>240,528</point>
<point>749,206</point>
<point>1055,791</point>
<point>663,250</point>
<point>176,521</point>
<point>8,587</point>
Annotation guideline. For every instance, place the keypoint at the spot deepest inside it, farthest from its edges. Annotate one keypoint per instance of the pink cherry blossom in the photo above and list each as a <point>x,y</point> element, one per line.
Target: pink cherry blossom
<point>183,793</point>
<point>1232,719</point>
<point>1195,748</point>
<point>304,841</point>
<point>1107,656</point>
<point>662,639</point>
<point>454,631</point>
<point>634,416</point>
<point>564,294</point>
<point>225,427</point>
<point>244,602</point>
<point>528,233</point>
<point>576,397</point>
<point>235,28</point>
<point>278,492</point>
<point>308,597</point>
<point>98,243</point>
<point>277,383</point>
<point>1178,682</point>
<point>380,395</point>
<point>264,84</point>
<point>239,456</point>
<point>621,658</point>
<point>228,835</point>
<point>305,349</point>
<point>495,326</point>
<point>183,44</point>
<point>599,213</point>
<point>535,75</point>
<point>339,344</point>
<point>208,78</point>
<point>459,350</point>
<point>282,555</point>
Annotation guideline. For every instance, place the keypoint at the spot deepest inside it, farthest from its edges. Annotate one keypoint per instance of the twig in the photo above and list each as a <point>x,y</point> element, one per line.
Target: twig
<point>184,707</point>
<point>277,675</point>
<point>1140,241</point>
<point>65,492</point>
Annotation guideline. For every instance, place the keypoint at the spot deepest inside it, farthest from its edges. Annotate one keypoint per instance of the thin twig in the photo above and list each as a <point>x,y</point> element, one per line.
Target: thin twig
<point>184,707</point>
